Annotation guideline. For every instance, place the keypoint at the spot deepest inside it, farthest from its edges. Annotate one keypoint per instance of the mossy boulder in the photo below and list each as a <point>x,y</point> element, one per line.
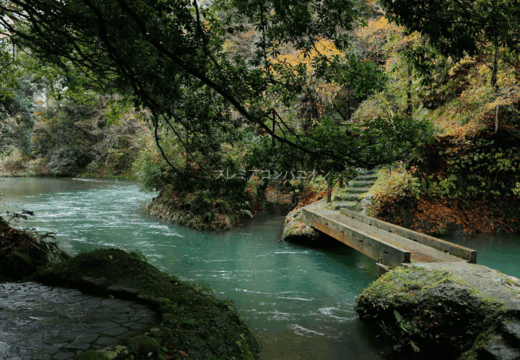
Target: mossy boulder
<point>163,334</point>
<point>428,311</point>
<point>145,345</point>
<point>297,231</point>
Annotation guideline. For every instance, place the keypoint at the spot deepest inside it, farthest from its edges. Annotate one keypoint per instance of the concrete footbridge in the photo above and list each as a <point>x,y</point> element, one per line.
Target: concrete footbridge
<point>390,245</point>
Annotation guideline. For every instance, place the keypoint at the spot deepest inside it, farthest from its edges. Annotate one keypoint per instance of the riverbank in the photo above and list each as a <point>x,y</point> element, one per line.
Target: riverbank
<point>462,181</point>
<point>194,323</point>
<point>28,172</point>
<point>203,211</point>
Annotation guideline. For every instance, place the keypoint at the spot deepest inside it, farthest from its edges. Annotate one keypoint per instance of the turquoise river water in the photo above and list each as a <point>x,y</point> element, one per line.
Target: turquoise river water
<point>297,300</point>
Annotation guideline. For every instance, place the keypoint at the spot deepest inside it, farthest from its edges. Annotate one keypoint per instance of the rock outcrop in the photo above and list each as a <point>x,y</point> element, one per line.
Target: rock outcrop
<point>455,310</point>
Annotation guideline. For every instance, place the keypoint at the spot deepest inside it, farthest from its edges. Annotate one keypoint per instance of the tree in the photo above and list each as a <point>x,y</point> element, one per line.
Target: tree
<point>18,91</point>
<point>170,57</point>
<point>458,28</point>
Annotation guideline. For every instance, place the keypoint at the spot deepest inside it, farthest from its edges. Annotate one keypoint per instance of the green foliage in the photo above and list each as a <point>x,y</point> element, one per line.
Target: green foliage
<point>63,140</point>
<point>178,51</point>
<point>145,345</point>
<point>17,106</point>
<point>458,28</point>
<point>396,182</point>
<point>22,252</point>
<point>516,189</point>
<point>471,168</point>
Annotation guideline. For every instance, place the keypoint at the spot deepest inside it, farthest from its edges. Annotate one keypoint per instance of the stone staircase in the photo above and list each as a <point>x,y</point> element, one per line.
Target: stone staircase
<point>350,196</point>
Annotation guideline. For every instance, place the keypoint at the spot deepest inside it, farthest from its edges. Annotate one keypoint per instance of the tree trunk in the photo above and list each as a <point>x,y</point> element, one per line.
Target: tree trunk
<point>497,119</point>
<point>409,107</point>
<point>494,85</point>
<point>329,189</point>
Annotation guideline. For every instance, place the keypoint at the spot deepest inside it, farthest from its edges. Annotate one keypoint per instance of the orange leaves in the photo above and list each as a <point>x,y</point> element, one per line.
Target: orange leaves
<point>183,353</point>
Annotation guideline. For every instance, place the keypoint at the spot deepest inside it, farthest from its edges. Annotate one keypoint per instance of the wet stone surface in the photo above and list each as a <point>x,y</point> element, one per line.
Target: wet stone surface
<point>42,322</point>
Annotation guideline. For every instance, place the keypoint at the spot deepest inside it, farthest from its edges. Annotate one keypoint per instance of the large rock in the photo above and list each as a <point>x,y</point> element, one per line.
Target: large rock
<point>296,230</point>
<point>435,310</point>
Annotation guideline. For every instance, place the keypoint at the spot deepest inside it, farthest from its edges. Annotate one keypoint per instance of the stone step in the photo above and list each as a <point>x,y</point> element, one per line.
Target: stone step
<point>367,172</point>
<point>356,190</point>
<point>351,205</point>
<point>360,183</point>
<point>367,177</point>
<point>497,349</point>
<point>511,331</point>
<point>347,197</point>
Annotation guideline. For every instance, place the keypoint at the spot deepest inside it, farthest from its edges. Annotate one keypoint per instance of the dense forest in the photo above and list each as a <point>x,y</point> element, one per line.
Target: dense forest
<point>217,104</point>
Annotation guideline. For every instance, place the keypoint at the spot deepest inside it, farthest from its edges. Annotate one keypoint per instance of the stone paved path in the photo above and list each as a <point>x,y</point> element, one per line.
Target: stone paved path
<point>42,322</point>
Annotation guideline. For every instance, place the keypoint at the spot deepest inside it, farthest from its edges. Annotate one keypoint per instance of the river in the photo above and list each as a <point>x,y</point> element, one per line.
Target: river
<point>297,300</point>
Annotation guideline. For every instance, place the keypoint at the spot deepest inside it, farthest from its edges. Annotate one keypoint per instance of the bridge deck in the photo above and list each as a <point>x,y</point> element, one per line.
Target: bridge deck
<point>389,248</point>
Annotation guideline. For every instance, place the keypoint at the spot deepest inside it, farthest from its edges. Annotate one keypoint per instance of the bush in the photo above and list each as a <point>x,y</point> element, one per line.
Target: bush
<point>391,186</point>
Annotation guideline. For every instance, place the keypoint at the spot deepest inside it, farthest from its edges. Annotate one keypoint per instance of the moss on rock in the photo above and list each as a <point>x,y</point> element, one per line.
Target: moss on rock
<point>163,334</point>
<point>145,345</point>
<point>427,311</point>
<point>201,325</point>
<point>296,230</point>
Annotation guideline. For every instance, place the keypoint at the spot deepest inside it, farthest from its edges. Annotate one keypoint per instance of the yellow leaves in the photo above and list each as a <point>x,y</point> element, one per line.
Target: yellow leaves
<point>381,23</point>
<point>501,101</point>
<point>376,32</point>
<point>322,48</point>
<point>472,101</point>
